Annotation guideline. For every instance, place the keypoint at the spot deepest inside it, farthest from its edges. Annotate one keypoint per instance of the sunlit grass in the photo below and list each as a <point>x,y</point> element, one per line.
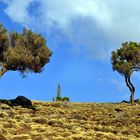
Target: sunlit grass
<point>70,121</point>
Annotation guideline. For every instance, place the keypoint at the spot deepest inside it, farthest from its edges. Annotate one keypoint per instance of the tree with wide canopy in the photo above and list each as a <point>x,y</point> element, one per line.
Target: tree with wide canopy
<point>24,52</point>
<point>125,61</point>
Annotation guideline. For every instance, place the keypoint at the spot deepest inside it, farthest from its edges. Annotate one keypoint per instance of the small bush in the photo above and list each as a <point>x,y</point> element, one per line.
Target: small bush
<point>62,99</point>
<point>58,98</point>
<point>66,99</point>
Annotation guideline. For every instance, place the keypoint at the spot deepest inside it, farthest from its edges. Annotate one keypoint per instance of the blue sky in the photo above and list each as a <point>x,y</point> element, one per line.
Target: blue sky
<point>81,34</point>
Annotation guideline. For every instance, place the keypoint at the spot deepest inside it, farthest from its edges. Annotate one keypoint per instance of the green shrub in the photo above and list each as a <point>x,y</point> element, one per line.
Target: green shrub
<point>58,98</point>
<point>66,99</point>
<point>62,99</point>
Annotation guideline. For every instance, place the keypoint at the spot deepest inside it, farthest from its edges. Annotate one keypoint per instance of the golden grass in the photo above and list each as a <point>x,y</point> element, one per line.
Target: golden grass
<point>70,121</point>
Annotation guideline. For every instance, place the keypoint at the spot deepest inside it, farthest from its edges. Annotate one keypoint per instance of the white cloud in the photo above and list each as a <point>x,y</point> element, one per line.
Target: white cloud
<point>17,10</point>
<point>93,27</point>
<point>118,84</point>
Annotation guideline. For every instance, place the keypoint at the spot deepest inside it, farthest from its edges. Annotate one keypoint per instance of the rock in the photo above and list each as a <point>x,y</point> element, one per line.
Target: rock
<point>118,110</point>
<point>137,101</point>
<point>124,101</point>
<point>22,101</point>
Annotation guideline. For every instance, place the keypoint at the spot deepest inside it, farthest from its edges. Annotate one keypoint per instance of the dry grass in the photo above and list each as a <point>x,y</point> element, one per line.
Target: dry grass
<point>70,121</point>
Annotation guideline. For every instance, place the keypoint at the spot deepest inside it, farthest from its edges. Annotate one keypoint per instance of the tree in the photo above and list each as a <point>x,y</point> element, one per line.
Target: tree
<point>126,60</point>
<point>58,91</point>
<point>24,52</point>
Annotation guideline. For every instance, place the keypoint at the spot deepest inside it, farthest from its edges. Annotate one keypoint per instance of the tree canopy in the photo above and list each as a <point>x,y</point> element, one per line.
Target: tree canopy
<point>24,52</point>
<point>126,60</point>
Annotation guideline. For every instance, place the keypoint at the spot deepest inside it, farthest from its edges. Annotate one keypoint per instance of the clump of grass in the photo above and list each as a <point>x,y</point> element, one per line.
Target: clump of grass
<point>22,137</point>
<point>79,137</point>
<point>40,120</point>
<point>2,137</point>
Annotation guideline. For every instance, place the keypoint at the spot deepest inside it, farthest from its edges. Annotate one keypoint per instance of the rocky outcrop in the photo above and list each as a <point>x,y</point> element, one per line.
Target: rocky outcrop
<point>19,100</point>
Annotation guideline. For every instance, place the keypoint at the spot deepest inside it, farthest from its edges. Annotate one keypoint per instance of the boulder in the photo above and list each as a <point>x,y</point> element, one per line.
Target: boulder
<point>22,101</point>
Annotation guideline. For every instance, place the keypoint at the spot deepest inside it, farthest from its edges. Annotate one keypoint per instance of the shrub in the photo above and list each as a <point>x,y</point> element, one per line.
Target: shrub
<point>62,99</point>
<point>66,99</point>
<point>58,98</point>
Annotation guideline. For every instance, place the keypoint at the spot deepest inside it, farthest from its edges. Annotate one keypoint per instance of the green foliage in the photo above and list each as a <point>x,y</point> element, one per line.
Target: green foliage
<point>66,98</point>
<point>62,99</point>
<point>58,98</point>
<point>126,59</point>
<point>25,52</point>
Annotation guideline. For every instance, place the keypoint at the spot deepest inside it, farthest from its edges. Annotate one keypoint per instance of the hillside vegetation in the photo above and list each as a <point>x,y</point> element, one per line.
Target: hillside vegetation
<point>70,121</point>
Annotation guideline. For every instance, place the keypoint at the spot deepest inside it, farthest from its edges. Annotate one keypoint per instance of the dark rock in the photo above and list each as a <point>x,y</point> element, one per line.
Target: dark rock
<point>124,101</point>
<point>118,110</point>
<point>5,101</point>
<point>22,101</point>
<point>137,100</point>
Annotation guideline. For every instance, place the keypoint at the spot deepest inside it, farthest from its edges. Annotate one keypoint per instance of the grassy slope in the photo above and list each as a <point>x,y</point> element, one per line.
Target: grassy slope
<point>70,121</point>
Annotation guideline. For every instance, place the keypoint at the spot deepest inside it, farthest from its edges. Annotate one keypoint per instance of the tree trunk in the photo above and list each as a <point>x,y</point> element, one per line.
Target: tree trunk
<point>2,71</point>
<point>131,88</point>
<point>132,97</point>
<point>132,91</point>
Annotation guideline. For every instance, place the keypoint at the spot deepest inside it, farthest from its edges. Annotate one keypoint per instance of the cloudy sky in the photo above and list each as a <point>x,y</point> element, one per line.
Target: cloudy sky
<point>81,34</point>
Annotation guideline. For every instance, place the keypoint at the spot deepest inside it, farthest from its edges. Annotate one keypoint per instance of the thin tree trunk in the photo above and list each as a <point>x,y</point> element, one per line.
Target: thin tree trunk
<point>2,71</point>
<point>132,97</point>
<point>132,91</point>
<point>131,88</point>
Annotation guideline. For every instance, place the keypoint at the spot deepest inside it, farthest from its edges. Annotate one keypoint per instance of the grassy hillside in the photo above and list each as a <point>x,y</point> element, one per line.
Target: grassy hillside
<point>70,121</point>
